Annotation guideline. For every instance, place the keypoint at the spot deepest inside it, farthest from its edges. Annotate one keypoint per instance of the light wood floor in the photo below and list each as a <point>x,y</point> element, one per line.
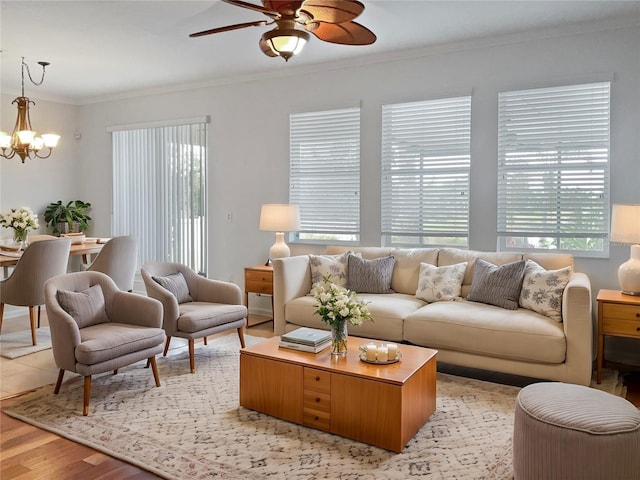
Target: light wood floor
<point>29,453</point>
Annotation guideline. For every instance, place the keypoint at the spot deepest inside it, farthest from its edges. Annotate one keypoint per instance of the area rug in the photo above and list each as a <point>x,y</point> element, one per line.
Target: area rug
<point>18,344</point>
<point>192,427</point>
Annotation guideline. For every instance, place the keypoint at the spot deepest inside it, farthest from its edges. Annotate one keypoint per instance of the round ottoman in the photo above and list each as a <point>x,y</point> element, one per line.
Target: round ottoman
<point>564,431</point>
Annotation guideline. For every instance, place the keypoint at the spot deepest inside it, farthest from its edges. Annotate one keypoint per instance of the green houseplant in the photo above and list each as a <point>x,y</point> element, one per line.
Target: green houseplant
<point>69,217</point>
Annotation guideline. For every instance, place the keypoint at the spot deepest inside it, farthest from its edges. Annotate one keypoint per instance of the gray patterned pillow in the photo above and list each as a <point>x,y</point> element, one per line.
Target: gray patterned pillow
<point>436,284</point>
<point>86,307</point>
<point>370,276</point>
<point>497,285</point>
<point>177,285</point>
<point>542,290</point>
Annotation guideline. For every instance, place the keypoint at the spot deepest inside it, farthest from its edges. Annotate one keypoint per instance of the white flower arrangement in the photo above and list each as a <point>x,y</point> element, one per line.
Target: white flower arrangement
<point>336,304</point>
<point>21,220</point>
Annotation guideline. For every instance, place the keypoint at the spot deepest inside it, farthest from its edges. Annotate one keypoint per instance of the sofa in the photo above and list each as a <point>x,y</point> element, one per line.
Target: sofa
<point>518,341</point>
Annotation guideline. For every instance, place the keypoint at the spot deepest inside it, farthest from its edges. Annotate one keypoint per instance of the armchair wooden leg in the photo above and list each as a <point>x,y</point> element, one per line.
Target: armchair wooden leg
<point>59,381</point>
<point>192,356</point>
<point>148,363</point>
<point>1,315</point>
<point>32,319</point>
<point>166,346</point>
<point>241,336</point>
<point>115,372</point>
<point>154,368</point>
<point>205,340</point>
<point>87,395</point>
<point>39,315</point>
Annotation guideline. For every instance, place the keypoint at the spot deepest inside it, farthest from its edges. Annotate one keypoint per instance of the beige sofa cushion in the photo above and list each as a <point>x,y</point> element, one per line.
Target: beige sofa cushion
<point>388,310</point>
<point>487,330</point>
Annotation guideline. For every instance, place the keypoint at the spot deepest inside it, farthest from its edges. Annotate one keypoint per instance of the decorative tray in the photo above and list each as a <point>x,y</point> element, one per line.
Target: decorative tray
<point>363,357</point>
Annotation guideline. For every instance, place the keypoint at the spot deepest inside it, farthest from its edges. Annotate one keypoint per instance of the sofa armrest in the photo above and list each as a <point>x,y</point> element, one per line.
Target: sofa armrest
<point>578,327</point>
<point>291,279</point>
<point>134,309</point>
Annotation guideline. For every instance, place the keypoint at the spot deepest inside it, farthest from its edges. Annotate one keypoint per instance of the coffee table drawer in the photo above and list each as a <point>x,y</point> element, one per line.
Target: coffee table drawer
<point>317,381</point>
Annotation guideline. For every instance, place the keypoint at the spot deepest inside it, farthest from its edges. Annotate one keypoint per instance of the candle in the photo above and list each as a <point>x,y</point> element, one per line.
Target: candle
<point>371,351</point>
<point>383,354</point>
<point>392,350</point>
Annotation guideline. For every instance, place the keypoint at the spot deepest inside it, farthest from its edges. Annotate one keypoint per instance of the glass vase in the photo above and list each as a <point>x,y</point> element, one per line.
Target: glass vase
<point>20,237</point>
<point>339,338</point>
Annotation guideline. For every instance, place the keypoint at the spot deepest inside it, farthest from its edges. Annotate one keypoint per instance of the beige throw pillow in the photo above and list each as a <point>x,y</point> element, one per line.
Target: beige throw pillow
<point>437,284</point>
<point>542,290</point>
<point>334,266</point>
<point>86,307</point>
<point>177,285</point>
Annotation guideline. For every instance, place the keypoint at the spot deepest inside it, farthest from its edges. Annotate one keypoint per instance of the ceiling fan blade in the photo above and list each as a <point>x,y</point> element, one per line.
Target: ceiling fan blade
<point>259,23</point>
<point>333,11</point>
<point>258,8</point>
<point>266,49</point>
<point>347,33</point>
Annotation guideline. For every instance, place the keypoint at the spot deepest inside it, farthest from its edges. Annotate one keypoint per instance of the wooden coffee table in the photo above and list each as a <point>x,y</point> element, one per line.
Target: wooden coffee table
<point>382,405</point>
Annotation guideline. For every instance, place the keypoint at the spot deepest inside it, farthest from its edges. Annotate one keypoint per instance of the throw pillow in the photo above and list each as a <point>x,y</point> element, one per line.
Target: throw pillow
<point>334,266</point>
<point>177,285</point>
<point>86,307</point>
<point>436,284</point>
<point>370,276</point>
<point>497,285</point>
<point>542,290</point>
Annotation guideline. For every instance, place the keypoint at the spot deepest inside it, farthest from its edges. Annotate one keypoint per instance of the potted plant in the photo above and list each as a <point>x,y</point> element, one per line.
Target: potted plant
<point>67,218</point>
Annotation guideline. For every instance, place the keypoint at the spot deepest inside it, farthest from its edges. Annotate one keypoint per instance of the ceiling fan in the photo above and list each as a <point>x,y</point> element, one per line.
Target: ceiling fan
<point>329,20</point>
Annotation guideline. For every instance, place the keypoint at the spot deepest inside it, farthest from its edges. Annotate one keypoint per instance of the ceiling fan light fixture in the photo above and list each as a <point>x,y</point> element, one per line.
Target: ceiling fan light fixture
<point>286,42</point>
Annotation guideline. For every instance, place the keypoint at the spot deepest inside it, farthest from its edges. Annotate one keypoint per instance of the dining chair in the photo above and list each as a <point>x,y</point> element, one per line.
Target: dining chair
<point>118,259</point>
<point>193,306</point>
<point>25,286</point>
<point>96,327</point>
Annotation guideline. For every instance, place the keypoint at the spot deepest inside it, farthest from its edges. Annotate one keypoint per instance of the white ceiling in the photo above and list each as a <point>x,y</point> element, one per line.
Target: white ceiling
<point>103,49</point>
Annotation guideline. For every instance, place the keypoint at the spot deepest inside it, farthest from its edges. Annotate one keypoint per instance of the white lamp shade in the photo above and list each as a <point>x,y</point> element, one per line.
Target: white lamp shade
<point>26,136</point>
<point>625,228</point>
<point>5,140</point>
<point>280,218</point>
<point>50,139</point>
<point>625,223</point>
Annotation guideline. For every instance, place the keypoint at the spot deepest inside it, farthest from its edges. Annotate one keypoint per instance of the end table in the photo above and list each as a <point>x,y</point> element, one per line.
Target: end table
<point>258,280</point>
<point>618,316</point>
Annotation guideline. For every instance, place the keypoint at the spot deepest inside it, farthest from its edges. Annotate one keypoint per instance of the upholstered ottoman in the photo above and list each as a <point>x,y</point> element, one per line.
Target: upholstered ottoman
<point>565,431</point>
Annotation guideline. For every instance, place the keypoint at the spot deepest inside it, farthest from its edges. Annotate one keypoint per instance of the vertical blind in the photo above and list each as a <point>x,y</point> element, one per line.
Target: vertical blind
<point>159,192</point>
<point>553,163</point>
<point>426,154</point>
<point>325,170</point>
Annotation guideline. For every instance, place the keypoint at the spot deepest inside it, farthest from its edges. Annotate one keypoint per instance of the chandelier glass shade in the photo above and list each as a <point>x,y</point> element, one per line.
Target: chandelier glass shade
<point>286,42</point>
<point>23,142</point>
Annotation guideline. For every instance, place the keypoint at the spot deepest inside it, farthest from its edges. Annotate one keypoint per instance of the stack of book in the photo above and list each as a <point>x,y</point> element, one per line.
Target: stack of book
<point>306,339</point>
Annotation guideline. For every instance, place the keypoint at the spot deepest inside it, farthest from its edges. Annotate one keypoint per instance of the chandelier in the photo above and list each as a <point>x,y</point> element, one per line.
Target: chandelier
<point>23,141</point>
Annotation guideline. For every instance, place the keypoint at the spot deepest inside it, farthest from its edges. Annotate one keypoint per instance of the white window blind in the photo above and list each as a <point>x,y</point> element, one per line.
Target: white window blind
<point>426,154</point>
<point>159,192</point>
<point>325,173</point>
<point>553,168</point>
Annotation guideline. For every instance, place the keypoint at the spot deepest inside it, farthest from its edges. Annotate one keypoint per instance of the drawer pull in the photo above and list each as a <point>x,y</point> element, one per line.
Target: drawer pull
<point>638,315</point>
<point>316,418</point>
<point>637,329</point>
<point>318,399</point>
<point>317,378</point>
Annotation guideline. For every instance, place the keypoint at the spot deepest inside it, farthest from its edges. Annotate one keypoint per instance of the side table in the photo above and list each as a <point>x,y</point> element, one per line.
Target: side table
<point>258,280</point>
<point>618,316</point>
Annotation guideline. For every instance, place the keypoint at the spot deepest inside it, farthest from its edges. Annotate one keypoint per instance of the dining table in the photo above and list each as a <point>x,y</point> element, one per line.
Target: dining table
<point>85,249</point>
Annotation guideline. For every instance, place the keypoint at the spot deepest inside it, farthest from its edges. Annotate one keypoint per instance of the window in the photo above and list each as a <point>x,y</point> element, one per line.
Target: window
<point>553,169</point>
<point>159,191</point>
<point>426,154</point>
<point>325,174</point>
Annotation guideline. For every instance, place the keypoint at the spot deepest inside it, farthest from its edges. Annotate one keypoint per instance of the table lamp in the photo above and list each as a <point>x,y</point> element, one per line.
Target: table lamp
<point>625,229</point>
<point>279,218</point>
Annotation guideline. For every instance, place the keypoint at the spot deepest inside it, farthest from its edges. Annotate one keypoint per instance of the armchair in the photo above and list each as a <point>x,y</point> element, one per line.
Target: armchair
<point>194,306</point>
<point>96,327</point>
